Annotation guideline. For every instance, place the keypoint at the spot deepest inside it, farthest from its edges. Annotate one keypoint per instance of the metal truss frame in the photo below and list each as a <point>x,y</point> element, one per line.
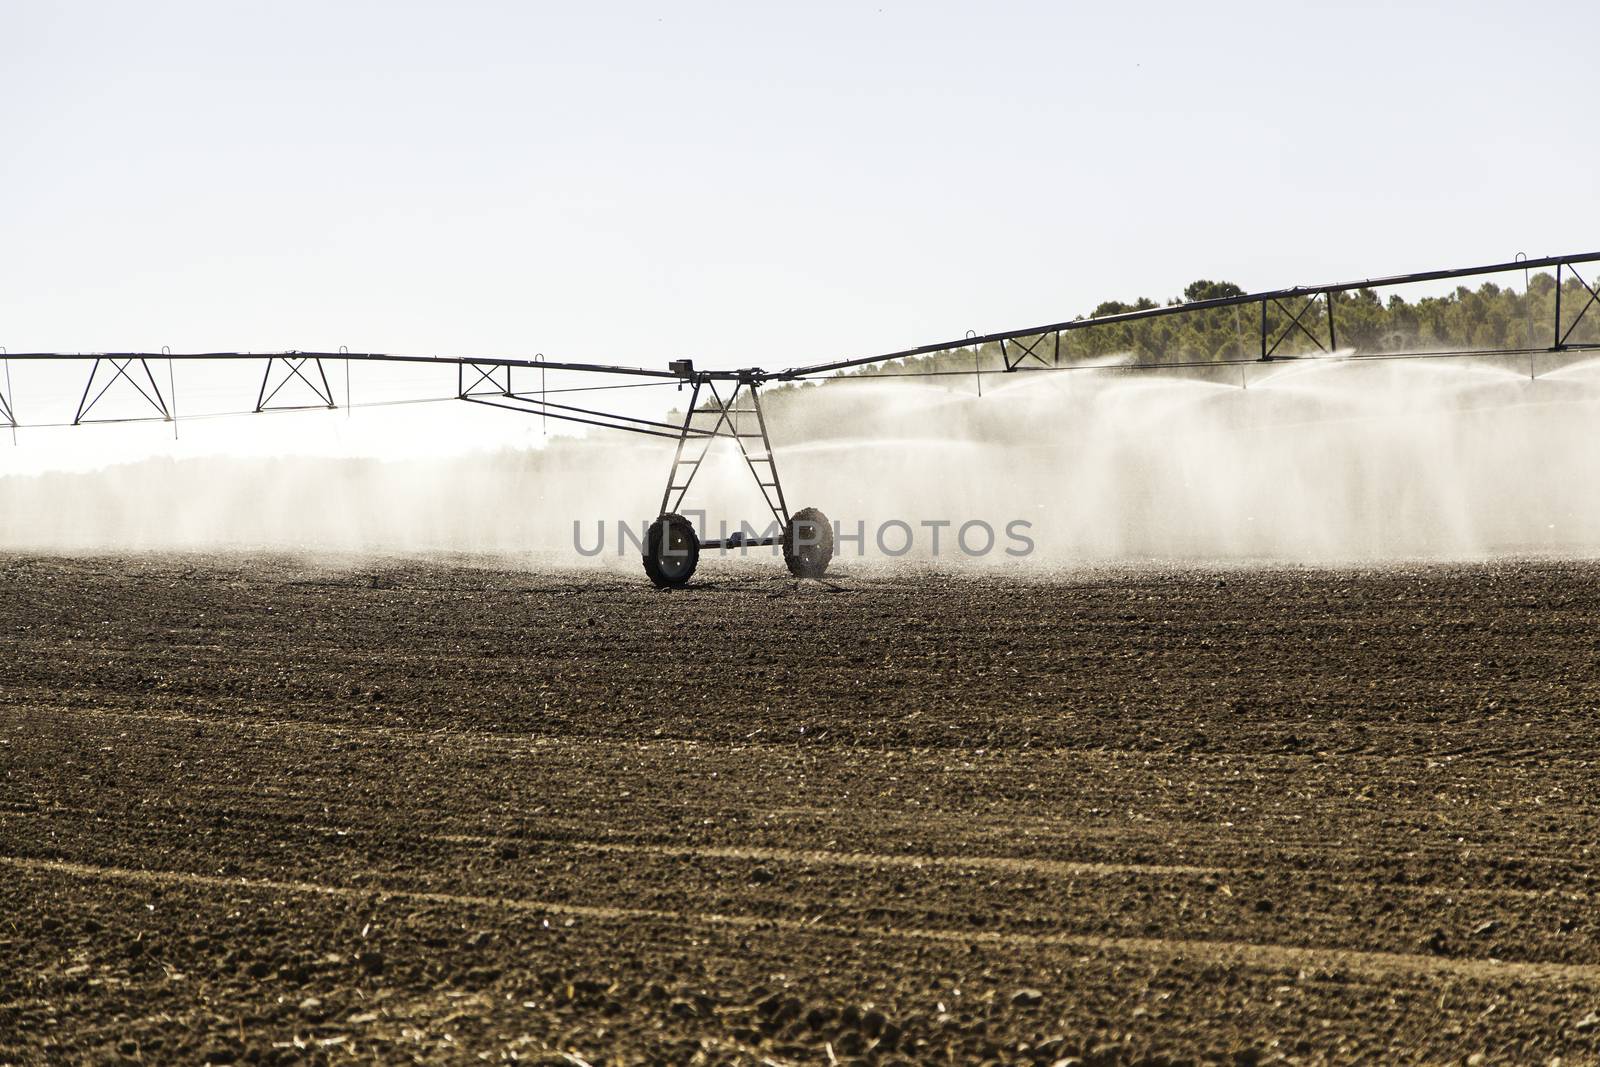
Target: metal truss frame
<point>730,400</point>
<point>119,365</point>
<point>1285,314</point>
<point>1030,350</point>
<point>1297,322</point>
<point>294,364</point>
<point>1295,305</point>
<point>1594,298</point>
<point>727,413</point>
<point>498,377</point>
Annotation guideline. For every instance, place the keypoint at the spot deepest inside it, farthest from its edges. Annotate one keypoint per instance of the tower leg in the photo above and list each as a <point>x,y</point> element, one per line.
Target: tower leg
<point>806,537</point>
<point>668,504</point>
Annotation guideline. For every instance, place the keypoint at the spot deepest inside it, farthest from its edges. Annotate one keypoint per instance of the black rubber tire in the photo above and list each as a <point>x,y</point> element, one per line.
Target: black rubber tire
<point>808,543</point>
<point>671,551</point>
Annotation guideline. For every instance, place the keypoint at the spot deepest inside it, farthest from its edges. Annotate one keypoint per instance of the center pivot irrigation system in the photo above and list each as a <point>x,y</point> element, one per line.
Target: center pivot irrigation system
<point>1294,324</point>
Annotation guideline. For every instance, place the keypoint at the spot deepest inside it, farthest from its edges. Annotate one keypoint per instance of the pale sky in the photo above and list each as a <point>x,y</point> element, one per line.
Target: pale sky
<point>631,182</point>
<point>753,183</point>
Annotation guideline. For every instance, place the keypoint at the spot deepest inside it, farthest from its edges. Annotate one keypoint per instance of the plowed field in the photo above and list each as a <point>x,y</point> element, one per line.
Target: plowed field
<point>272,811</point>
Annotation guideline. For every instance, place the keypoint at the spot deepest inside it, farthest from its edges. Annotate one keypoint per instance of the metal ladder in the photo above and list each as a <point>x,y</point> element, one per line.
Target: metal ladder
<point>763,466</point>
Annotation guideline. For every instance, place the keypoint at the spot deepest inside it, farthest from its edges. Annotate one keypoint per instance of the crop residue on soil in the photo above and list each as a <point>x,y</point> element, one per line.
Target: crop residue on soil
<point>262,811</point>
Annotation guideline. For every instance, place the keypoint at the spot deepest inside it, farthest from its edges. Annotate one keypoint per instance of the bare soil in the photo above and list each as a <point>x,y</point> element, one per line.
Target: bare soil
<point>271,811</point>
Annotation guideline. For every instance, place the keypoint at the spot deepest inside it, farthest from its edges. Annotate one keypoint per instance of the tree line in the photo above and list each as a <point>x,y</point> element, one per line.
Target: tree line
<point>1489,317</point>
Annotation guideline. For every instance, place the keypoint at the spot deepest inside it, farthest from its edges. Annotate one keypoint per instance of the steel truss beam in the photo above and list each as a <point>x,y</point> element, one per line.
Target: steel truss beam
<point>294,368</point>
<point>1303,313</point>
<point>1305,297</point>
<point>496,376</point>
<point>119,366</point>
<point>1594,297</point>
<point>1271,341</point>
<point>1027,350</point>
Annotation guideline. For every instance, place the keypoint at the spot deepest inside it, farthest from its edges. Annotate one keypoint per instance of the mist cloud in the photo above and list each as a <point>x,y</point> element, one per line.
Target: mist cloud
<point>1309,463</point>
